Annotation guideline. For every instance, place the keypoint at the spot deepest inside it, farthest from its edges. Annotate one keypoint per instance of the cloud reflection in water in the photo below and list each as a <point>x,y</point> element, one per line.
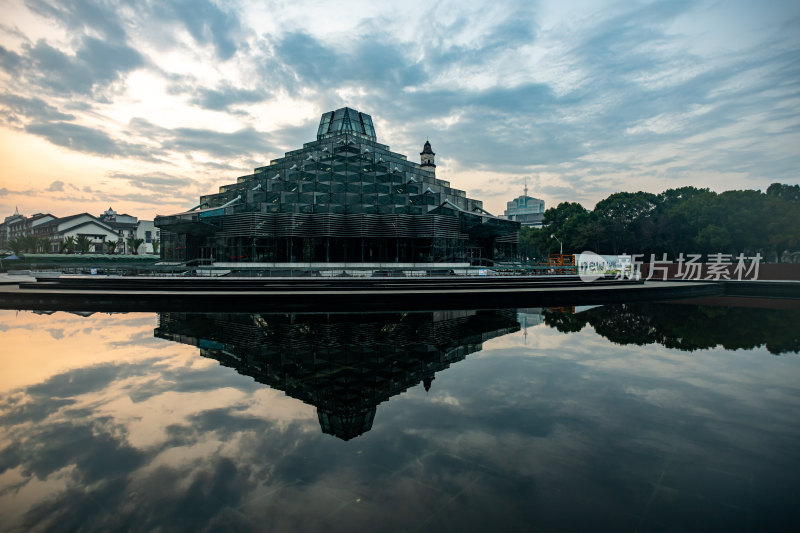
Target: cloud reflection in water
<point>561,432</point>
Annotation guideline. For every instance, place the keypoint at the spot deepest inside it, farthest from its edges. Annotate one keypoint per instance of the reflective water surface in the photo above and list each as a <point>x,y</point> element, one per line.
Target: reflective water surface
<point>628,417</point>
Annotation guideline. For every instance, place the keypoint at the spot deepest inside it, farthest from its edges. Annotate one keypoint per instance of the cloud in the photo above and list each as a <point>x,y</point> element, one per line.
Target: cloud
<point>10,192</point>
<point>33,108</point>
<point>87,140</point>
<point>205,22</point>
<point>95,64</point>
<point>56,186</point>
<point>226,97</point>
<point>9,61</point>
<point>155,182</point>
<point>370,60</point>
<point>598,99</point>
<point>215,143</point>
<point>83,16</point>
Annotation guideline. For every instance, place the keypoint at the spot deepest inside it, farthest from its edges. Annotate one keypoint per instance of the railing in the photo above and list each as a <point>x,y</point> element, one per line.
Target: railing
<point>203,268</point>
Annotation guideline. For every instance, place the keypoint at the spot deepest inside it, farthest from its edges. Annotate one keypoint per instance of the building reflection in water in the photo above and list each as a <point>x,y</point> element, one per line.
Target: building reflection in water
<point>343,364</point>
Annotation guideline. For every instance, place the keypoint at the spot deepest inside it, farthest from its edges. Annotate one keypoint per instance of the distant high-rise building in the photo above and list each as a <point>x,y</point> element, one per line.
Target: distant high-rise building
<point>525,209</point>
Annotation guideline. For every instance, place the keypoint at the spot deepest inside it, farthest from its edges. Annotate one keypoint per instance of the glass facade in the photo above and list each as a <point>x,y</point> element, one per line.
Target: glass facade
<point>342,198</point>
<point>526,210</point>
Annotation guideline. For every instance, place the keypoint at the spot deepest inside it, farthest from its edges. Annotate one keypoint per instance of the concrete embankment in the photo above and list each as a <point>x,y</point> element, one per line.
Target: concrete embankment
<point>334,294</point>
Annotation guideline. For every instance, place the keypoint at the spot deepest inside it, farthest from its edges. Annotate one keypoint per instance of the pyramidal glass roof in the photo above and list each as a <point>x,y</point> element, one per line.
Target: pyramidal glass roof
<point>346,120</point>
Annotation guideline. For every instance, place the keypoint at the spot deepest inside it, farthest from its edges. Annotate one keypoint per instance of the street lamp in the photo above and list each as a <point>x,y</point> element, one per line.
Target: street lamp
<point>553,236</point>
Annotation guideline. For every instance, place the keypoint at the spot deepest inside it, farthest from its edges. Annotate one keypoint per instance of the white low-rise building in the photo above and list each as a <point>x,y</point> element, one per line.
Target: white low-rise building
<point>75,226</point>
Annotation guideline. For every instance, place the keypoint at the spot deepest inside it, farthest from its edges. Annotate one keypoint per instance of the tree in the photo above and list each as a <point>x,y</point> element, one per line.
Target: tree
<point>783,226</point>
<point>134,244</point>
<point>83,243</point>
<point>111,246</point>
<point>155,244</point>
<point>686,220</point>
<point>16,245</point>
<point>68,245</point>
<point>44,245</point>
<point>567,222</point>
<point>533,244</point>
<point>790,193</point>
<point>713,238</point>
<point>30,243</point>
<point>623,215</point>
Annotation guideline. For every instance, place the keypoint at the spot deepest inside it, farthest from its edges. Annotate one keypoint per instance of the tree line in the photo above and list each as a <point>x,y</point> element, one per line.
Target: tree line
<point>683,220</point>
<point>686,328</point>
<point>82,244</point>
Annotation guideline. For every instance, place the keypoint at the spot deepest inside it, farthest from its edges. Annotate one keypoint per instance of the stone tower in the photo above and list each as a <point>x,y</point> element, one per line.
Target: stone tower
<point>426,157</point>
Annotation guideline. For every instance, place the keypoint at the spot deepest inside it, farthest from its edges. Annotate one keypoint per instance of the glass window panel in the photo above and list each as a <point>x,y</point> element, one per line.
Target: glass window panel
<point>324,123</point>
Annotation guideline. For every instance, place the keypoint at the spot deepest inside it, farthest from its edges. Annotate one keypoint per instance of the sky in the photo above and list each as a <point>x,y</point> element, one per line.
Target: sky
<point>145,105</point>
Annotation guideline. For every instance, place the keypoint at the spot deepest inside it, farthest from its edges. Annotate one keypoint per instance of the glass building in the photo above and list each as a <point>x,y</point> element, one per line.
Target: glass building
<point>343,198</point>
